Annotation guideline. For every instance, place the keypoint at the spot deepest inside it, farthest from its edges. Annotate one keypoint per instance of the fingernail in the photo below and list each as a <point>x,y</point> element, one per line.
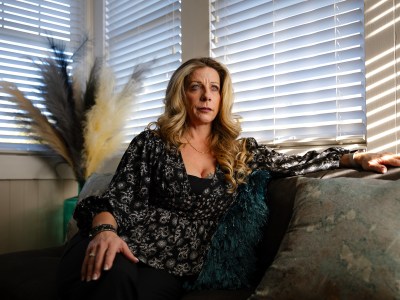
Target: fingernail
<point>88,279</point>
<point>105,267</point>
<point>94,277</point>
<point>137,260</point>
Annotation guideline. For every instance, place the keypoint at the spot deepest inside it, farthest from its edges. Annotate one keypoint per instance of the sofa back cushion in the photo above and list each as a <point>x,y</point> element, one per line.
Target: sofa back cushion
<point>342,242</point>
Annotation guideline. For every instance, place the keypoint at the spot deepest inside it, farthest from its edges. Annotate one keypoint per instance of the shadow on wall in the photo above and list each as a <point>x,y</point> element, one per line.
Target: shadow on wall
<point>382,30</point>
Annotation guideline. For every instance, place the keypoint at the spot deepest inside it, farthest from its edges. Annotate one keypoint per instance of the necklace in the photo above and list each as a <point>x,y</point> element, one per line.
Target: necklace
<point>202,152</point>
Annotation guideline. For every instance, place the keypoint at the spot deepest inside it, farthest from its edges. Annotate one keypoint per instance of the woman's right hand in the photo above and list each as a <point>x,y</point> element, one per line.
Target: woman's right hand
<point>101,252</point>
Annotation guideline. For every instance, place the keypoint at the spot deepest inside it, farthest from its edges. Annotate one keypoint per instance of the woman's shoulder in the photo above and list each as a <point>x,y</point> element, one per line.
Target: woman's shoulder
<point>249,142</point>
<point>148,137</point>
<point>253,145</point>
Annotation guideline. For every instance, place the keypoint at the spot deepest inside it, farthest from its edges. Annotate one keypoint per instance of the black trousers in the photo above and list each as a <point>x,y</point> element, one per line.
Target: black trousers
<point>124,281</point>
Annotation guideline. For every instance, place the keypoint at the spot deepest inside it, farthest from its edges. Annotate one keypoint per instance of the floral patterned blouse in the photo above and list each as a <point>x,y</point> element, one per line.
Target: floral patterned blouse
<point>167,224</point>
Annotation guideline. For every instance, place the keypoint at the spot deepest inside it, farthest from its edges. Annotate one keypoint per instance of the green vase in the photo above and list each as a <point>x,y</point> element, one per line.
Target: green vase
<point>69,207</point>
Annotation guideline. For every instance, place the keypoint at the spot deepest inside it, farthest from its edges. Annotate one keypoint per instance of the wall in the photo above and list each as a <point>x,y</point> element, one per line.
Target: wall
<point>382,30</point>
<point>33,188</point>
<point>32,191</point>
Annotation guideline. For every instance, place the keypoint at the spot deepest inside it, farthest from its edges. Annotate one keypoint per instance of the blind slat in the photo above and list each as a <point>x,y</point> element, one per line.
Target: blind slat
<point>297,67</point>
<point>24,27</point>
<point>139,32</point>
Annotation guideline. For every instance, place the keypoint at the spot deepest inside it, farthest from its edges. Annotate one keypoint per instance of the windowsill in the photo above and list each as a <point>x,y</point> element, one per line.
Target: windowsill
<point>28,166</point>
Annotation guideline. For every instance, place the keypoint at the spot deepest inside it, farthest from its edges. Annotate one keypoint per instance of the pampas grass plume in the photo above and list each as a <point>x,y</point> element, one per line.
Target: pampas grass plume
<point>43,128</point>
<point>88,124</point>
<point>105,121</point>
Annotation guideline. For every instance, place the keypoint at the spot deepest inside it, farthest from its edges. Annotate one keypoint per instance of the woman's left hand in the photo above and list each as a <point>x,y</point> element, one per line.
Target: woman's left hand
<point>377,162</point>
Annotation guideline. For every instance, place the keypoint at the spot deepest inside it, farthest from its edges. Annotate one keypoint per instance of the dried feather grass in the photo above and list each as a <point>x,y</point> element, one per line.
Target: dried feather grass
<point>105,121</point>
<point>57,92</point>
<point>40,124</point>
<point>88,121</point>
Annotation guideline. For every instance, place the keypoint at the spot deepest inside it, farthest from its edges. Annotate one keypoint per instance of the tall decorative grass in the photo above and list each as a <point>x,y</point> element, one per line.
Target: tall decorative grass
<point>86,118</point>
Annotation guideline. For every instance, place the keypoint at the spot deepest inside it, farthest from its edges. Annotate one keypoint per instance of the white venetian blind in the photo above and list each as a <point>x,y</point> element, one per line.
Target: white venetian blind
<point>297,67</point>
<point>24,30</point>
<point>141,32</point>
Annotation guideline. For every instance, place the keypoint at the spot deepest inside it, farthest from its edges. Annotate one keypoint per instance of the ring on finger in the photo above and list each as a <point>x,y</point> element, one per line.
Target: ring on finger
<point>92,254</point>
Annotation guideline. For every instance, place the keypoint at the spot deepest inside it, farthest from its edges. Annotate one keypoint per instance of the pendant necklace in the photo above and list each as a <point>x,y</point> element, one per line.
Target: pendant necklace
<point>202,152</point>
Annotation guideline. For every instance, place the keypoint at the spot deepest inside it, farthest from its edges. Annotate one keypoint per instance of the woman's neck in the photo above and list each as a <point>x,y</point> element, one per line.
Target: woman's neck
<point>199,134</point>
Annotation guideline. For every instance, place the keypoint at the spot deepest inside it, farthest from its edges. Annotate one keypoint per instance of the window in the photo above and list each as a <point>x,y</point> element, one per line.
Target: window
<point>24,28</point>
<point>297,68</point>
<point>142,32</point>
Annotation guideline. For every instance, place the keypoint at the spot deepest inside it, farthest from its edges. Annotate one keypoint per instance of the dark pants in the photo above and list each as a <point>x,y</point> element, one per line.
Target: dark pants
<point>125,280</point>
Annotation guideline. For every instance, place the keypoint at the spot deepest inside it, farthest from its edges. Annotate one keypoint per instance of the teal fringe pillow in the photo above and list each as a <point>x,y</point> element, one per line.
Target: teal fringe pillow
<point>231,260</point>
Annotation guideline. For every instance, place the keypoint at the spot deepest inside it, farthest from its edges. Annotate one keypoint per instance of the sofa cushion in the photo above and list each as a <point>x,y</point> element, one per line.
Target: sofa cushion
<point>281,195</point>
<point>342,243</point>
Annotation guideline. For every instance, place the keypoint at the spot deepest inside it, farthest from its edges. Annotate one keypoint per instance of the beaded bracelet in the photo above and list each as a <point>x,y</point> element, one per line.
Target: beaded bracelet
<point>99,228</point>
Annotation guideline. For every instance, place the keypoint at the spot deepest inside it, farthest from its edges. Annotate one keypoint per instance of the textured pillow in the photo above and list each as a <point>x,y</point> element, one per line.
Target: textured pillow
<point>95,185</point>
<point>343,242</point>
<point>231,260</point>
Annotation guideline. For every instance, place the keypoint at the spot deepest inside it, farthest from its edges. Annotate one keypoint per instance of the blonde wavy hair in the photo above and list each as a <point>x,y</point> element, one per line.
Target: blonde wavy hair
<point>229,151</point>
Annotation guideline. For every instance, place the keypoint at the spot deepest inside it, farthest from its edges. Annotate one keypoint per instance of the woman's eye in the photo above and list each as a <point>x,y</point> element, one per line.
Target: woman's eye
<point>194,87</point>
<point>215,88</point>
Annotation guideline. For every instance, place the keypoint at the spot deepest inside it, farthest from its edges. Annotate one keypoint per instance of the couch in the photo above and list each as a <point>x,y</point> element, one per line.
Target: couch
<point>330,235</point>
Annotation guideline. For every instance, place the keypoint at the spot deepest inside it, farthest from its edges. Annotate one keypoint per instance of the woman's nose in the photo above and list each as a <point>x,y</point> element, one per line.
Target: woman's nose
<point>206,95</point>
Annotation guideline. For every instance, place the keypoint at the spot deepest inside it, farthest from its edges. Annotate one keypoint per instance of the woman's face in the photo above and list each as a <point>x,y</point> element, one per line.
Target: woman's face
<point>203,96</point>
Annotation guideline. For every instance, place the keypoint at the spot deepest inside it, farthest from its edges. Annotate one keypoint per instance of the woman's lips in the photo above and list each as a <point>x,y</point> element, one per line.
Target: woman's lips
<point>204,109</point>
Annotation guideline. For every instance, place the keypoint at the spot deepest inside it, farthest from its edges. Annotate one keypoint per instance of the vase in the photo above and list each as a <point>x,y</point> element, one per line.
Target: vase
<point>68,209</point>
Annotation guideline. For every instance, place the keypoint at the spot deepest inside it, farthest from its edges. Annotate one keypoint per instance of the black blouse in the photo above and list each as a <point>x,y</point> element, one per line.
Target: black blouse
<point>167,223</point>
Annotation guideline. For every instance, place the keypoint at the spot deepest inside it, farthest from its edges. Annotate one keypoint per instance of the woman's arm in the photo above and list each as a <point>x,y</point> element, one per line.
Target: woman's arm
<point>377,162</point>
<point>102,249</point>
<point>126,187</point>
<point>280,164</point>
<point>104,218</point>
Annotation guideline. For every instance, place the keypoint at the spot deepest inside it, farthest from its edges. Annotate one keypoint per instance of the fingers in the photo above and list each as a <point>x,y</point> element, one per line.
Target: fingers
<point>98,261</point>
<point>128,254</point>
<point>377,167</point>
<point>378,162</point>
<point>390,160</point>
<point>93,258</point>
<point>100,255</point>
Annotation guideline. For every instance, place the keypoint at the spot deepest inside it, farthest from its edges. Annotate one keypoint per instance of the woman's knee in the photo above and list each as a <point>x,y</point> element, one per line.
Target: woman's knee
<point>158,284</point>
<point>122,269</point>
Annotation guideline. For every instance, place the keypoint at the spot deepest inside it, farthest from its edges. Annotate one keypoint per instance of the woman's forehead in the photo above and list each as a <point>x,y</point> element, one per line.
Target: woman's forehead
<point>204,74</point>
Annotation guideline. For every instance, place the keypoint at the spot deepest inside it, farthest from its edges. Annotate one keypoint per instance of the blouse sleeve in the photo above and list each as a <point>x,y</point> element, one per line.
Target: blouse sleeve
<point>128,188</point>
<point>280,164</point>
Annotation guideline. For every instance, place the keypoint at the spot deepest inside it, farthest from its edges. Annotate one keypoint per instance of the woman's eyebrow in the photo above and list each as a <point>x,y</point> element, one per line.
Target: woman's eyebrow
<point>199,82</point>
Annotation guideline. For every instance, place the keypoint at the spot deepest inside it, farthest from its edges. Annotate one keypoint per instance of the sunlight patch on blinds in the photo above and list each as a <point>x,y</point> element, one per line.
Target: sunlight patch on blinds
<point>25,27</point>
<point>297,66</point>
<point>142,32</point>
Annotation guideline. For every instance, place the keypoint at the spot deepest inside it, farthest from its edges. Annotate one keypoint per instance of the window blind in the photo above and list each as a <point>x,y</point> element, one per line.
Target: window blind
<point>297,67</point>
<point>147,31</point>
<point>24,30</point>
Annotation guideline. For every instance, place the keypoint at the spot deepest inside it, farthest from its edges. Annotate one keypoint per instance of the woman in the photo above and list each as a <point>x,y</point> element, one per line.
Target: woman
<point>151,229</point>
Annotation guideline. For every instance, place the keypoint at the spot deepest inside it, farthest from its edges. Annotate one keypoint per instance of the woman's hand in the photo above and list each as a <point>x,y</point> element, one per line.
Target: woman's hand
<point>376,161</point>
<point>101,252</point>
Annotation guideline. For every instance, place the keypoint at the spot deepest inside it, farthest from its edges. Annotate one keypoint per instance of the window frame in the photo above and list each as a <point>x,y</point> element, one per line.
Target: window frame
<point>379,52</point>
